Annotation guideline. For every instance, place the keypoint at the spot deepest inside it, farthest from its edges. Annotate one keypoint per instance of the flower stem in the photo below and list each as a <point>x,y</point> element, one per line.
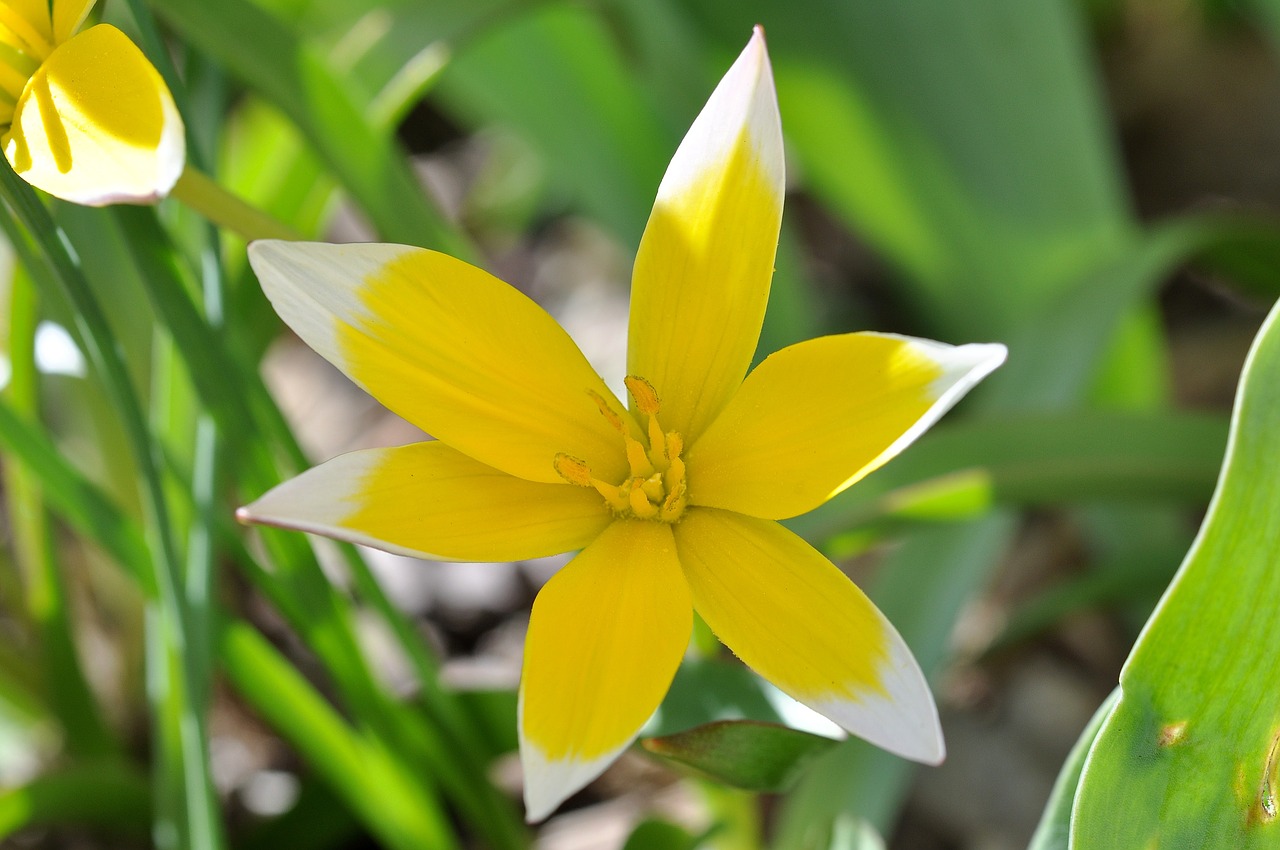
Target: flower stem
<point>195,189</point>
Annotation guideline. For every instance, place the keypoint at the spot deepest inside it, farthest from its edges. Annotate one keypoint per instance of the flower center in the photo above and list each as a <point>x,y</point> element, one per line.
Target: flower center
<point>655,488</point>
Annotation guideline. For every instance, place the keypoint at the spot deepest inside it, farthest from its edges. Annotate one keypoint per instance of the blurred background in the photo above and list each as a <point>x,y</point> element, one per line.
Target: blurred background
<point>1092,182</point>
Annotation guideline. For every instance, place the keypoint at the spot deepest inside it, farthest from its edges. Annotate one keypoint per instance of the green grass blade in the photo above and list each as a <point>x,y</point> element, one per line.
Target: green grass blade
<point>101,348</point>
<point>1189,757</point>
<point>67,692</point>
<point>354,766</point>
<point>107,795</point>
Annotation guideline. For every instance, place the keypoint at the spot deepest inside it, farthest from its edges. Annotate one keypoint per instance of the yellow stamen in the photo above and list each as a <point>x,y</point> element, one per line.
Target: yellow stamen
<point>641,507</point>
<point>618,499</point>
<point>655,485</point>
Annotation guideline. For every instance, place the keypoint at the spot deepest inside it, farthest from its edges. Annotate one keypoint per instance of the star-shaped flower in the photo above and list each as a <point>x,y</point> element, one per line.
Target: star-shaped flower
<point>85,116</point>
<point>674,500</point>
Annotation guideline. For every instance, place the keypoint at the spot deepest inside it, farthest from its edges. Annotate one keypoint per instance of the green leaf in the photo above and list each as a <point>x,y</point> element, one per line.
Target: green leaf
<point>260,49</point>
<point>660,835</point>
<point>1190,756</point>
<point>706,690</point>
<point>1035,460</point>
<point>747,754</point>
<point>992,190</point>
<point>107,794</point>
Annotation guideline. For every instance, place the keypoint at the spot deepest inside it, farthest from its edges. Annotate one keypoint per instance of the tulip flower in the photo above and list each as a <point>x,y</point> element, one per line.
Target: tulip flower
<point>673,499</point>
<point>85,116</point>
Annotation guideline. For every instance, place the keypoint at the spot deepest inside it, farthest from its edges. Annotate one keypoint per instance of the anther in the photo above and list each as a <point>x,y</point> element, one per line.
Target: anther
<point>607,412</point>
<point>643,392</point>
<point>572,469</point>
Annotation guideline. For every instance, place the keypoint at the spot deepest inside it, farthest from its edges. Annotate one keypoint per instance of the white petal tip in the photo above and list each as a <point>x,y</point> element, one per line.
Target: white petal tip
<point>744,101</point>
<point>548,783</point>
<point>902,717</point>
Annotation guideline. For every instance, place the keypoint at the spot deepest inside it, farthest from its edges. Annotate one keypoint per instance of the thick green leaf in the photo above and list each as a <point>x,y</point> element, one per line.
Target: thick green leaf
<point>1190,756</point>
<point>747,754</point>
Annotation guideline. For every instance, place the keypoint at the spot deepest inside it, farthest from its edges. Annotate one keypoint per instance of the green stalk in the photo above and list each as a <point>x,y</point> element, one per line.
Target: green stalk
<point>102,350</point>
<point>67,692</point>
<point>203,194</point>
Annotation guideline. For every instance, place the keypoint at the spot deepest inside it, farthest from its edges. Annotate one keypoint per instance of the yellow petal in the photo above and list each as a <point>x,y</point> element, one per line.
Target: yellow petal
<point>702,273</point>
<point>449,347</point>
<point>68,15</point>
<point>26,25</point>
<point>605,639</point>
<point>800,623</point>
<point>96,124</point>
<point>821,414</point>
<point>426,500</point>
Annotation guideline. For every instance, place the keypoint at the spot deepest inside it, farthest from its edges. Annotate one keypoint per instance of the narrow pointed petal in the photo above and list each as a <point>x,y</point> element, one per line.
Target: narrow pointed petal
<point>819,415</point>
<point>799,622</point>
<point>68,15</point>
<point>462,355</point>
<point>427,500</point>
<point>606,636</point>
<point>96,124</point>
<point>702,273</point>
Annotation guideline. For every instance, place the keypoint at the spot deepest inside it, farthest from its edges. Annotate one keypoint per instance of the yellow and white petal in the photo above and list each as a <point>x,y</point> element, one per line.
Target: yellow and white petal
<point>819,415</point>
<point>427,500</point>
<point>702,273</point>
<point>96,124</point>
<point>606,636</point>
<point>799,622</point>
<point>449,347</point>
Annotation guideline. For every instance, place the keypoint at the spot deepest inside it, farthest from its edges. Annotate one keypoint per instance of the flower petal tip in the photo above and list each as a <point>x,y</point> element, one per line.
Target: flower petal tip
<point>902,718</point>
<point>548,783</point>
<point>745,100</point>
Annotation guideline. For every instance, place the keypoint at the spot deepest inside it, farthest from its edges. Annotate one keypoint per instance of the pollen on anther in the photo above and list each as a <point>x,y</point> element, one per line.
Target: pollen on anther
<point>608,412</point>
<point>572,470</point>
<point>643,392</point>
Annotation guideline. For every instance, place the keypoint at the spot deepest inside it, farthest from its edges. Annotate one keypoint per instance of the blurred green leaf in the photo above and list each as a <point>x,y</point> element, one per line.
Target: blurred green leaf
<point>660,835</point>
<point>1036,460</point>
<point>260,49</point>
<point>1190,756</point>
<point>747,754</point>
<point>992,190</point>
<point>583,99</point>
<point>108,795</point>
